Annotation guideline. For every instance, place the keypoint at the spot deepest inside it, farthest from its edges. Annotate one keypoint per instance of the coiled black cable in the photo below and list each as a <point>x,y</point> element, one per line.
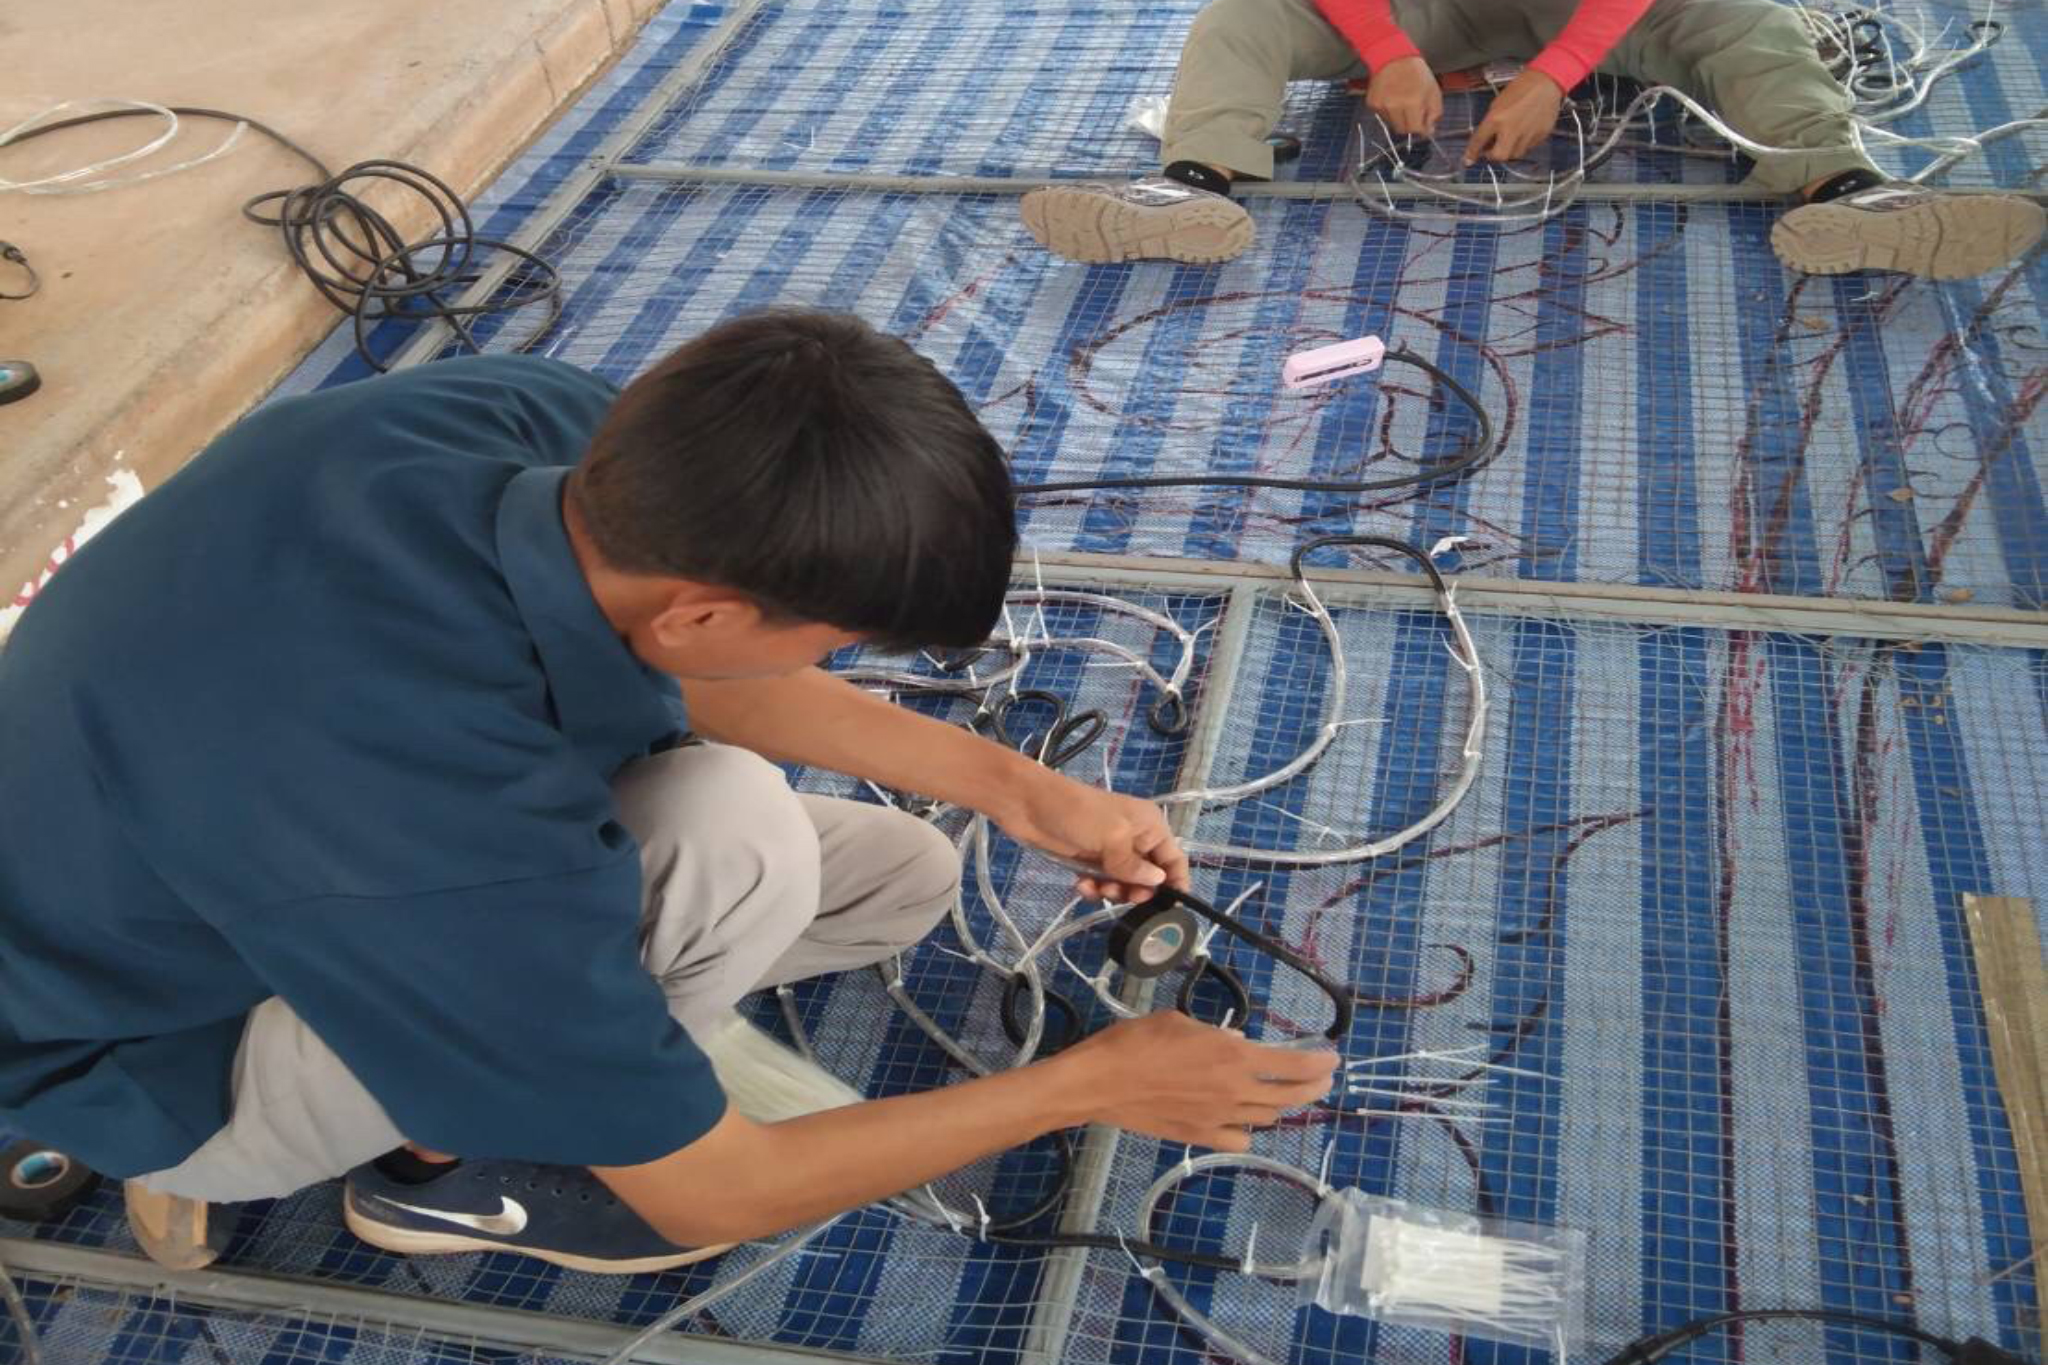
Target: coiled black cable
<point>1476,454</point>
<point>1975,1351</point>
<point>1340,996</point>
<point>356,256</point>
<point>1006,1229</point>
<point>1422,561</point>
<point>31,282</point>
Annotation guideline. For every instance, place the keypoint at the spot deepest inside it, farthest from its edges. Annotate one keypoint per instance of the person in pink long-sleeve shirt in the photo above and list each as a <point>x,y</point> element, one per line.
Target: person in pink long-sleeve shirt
<point>1754,62</point>
<point>1523,114</point>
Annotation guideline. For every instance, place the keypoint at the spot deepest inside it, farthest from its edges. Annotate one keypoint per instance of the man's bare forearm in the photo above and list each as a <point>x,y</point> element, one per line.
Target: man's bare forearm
<point>1163,1074</point>
<point>745,1180</point>
<point>812,717</point>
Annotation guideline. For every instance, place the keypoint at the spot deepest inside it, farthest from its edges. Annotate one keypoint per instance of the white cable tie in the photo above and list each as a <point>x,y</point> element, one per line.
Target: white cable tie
<point>981,1209</point>
<point>1424,1115</point>
<point>1229,1016</point>
<point>1420,1097</point>
<point>1323,1175</point>
<point>1187,1161</point>
<point>1123,1244</point>
<point>1425,1054</point>
<point>1251,1243</point>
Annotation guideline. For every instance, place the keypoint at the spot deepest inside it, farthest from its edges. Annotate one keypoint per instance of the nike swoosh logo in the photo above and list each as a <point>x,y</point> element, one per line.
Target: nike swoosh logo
<point>508,1221</point>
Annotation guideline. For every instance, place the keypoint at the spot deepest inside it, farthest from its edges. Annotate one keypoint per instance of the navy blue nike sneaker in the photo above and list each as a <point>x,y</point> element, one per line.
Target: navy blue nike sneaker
<point>562,1214</point>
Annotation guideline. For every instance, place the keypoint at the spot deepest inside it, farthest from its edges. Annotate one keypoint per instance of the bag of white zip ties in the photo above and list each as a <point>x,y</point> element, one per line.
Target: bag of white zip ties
<point>1405,1265</point>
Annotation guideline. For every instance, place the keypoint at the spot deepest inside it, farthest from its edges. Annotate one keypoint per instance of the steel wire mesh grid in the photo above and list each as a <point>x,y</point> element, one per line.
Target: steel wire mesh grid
<point>1704,900</point>
<point>83,1323</point>
<point>1676,409</point>
<point>1043,90</point>
<point>1707,893</point>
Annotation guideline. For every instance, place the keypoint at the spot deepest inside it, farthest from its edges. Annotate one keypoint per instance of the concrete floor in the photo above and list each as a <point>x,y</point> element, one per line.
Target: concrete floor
<point>163,314</point>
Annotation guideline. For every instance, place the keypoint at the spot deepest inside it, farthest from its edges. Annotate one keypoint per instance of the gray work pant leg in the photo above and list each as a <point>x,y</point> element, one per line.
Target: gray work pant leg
<point>744,884</point>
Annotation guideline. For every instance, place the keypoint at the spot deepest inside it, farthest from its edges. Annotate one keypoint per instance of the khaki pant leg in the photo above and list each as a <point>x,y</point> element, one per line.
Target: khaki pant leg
<point>1754,64</point>
<point>1233,76</point>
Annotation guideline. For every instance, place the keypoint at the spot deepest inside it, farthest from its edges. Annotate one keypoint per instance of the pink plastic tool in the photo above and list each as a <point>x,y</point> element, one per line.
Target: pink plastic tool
<point>1327,364</point>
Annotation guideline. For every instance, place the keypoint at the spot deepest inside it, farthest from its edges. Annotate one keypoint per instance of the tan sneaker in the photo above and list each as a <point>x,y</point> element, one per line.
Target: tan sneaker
<point>1928,233</point>
<point>1154,219</point>
<point>178,1234</point>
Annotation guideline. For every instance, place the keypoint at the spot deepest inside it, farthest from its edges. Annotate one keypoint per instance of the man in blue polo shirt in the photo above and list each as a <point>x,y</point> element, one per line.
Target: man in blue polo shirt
<point>348,823</point>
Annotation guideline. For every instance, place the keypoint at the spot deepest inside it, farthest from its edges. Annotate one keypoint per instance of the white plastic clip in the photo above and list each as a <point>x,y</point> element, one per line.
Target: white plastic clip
<point>982,1209</point>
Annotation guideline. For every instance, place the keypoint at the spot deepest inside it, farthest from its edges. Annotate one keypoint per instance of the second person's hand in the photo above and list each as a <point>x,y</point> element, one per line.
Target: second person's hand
<point>1406,95</point>
<point>1523,114</point>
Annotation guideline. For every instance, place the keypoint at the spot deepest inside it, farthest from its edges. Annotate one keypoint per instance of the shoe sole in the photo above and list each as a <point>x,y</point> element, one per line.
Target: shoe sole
<point>1953,237</point>
<point>1098,229</point>
<point>414,1242</point>
<point>176,1233</point>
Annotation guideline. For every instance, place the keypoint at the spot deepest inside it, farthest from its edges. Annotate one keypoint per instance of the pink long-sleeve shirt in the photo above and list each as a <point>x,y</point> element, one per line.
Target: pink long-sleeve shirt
<point>1594,29</point>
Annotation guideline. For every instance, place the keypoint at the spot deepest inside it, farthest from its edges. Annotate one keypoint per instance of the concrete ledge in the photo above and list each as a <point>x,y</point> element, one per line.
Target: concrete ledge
<point>164,316</point>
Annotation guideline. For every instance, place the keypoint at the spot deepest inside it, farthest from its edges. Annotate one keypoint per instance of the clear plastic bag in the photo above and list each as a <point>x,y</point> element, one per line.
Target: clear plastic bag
<point>1405,1265</point>
<point>1147,115</point>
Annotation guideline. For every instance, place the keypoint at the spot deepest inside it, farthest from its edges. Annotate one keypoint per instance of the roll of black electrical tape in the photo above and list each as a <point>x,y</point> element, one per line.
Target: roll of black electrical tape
<point>38,1182</point>
<point>1151,940</point>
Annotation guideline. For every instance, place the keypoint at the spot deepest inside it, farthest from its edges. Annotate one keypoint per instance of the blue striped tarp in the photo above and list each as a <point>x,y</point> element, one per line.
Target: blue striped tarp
<point>1707,888</point>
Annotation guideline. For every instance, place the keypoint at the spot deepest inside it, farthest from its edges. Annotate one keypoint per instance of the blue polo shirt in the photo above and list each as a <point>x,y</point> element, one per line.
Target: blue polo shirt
<point>332,716</point>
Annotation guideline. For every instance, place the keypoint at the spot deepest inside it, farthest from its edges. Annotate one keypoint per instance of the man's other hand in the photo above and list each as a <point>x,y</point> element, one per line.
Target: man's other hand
<point>1523,114</point>
<point>1405,94</point>
<point>1171,1077</point>
<point>1125,837</point>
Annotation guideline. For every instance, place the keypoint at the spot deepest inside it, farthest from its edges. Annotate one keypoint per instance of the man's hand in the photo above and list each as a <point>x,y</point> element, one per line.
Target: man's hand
<point>1523,114</point>
<point>1171,1077</point>
<point>1125,837</point>
<point>1405,94</point>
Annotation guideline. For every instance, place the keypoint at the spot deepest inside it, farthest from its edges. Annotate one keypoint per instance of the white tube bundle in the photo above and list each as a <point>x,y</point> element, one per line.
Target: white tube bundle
<point>767,1081</point>
<point>1479,1277</point>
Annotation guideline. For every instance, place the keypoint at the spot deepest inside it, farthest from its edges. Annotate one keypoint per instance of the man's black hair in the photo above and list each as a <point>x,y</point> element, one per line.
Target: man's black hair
<point>820,467</point>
